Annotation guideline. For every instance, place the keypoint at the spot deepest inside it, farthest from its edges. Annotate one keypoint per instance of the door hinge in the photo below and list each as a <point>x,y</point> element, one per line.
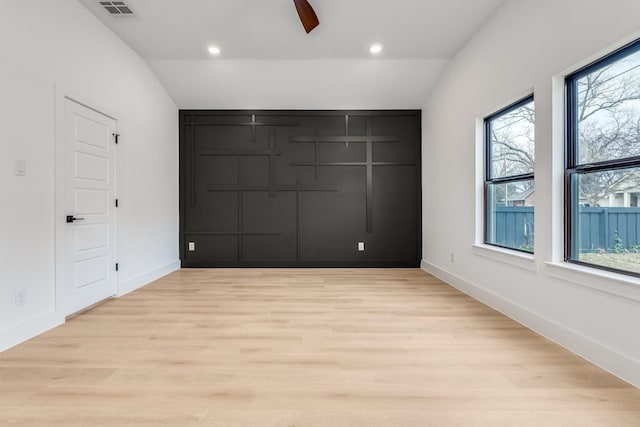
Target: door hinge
<point>116,203</point>
<point>115,137</point>
<point>116,266</point>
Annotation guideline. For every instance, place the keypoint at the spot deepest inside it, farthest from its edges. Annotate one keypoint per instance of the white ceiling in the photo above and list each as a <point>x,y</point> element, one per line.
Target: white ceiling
<point>268,61</point>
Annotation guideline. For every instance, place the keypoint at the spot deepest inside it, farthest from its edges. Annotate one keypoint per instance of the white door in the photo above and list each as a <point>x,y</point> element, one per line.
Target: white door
<point>89,164</point>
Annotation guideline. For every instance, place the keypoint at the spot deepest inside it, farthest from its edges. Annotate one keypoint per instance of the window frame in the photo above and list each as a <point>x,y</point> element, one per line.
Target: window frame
<point>488,180</point>
<point>572,167</point>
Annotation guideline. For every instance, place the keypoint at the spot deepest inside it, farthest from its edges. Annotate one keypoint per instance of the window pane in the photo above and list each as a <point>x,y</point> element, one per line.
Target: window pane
<point>512,142</point>
<point>510,214</point>
<point>608,111</point>
<point>607,223</point>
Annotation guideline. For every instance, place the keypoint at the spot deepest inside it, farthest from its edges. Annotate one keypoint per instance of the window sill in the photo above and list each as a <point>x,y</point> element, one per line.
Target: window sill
<point>604,281</point>
<point>514,258</point>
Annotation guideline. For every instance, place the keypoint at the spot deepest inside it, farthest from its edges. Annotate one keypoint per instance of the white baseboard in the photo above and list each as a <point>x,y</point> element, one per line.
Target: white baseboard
<point>144,279</point>
<point>28,329</point>
<point>618,364</point>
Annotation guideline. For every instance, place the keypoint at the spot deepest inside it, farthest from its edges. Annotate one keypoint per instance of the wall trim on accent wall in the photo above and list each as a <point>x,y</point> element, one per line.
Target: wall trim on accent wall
<point>300,188</point>
<point>601,355</point>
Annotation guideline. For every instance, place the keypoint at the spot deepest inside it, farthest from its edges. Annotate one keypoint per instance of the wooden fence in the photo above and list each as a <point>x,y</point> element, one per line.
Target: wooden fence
<point>601,229</point>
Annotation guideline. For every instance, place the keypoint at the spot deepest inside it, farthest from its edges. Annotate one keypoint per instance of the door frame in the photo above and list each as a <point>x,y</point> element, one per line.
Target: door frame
<point>62,95</point>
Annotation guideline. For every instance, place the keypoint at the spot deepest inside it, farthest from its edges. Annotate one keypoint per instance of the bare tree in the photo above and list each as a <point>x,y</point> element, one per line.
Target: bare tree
<point>513,142</point>
<point>608,126</point>
<point>512,146</point>
<point>608,120</point>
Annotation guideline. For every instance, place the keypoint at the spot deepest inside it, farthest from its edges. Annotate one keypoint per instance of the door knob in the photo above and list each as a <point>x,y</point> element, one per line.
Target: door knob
<point>71,218</point>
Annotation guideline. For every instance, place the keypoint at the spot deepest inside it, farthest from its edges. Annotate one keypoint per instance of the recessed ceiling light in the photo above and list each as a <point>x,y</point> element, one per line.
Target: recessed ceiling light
<point>375,48</point>
<point>214,50</point>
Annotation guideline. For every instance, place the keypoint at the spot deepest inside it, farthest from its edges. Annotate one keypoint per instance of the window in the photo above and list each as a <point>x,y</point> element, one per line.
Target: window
<point>603,163</point>
<point>509,184</point>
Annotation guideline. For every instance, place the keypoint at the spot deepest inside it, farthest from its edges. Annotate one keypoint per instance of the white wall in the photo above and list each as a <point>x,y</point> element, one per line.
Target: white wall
<point>528,45</point>
<point>372,83</point>
<point>50,49</point>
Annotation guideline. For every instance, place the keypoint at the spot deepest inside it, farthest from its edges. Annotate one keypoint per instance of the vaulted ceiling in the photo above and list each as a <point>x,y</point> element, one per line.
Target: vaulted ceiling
<point>268,61</point>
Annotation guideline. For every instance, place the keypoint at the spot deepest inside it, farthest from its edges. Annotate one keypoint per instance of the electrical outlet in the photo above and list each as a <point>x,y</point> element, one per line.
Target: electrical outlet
<point>19,168</point>
<point>361,246</point>
<point>192,246</point>
<point>452,258</point>
<point>20,297</point>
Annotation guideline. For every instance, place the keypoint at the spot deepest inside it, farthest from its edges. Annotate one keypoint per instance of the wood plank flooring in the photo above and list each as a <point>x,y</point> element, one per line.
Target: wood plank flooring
<point>303,347</point>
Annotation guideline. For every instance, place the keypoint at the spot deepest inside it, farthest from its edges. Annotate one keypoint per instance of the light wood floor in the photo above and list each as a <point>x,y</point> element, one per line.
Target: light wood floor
<point>303,348</point>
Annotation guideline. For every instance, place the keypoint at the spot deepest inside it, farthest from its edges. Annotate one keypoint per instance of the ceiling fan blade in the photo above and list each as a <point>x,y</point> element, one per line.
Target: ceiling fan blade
<point>307,15</point>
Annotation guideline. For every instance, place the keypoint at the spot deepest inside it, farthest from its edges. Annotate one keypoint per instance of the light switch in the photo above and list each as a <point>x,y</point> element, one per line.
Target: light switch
<point>361,246</point>
<point>20,168</point>
<point>192,246</point>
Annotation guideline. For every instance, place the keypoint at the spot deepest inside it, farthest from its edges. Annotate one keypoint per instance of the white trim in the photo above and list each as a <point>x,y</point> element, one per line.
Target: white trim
<point>479,163</point>
<point>58,210</point>
<point>604,281</point>
<point>24,331</point>
<point>28,329</point>
<point>506,256</point>
<point>558,109</point>
<point>521,96</point>
<point>607,358</point>
<point>63,92</point>
<point>480,157</point>
<point>144,279</point>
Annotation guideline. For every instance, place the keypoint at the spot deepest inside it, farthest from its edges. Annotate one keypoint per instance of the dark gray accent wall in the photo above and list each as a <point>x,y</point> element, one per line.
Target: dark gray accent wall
<point>300,188</point>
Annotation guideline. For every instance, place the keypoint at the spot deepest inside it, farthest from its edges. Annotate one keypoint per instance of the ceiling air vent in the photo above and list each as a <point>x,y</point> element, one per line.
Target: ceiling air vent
<point>116,8</point>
